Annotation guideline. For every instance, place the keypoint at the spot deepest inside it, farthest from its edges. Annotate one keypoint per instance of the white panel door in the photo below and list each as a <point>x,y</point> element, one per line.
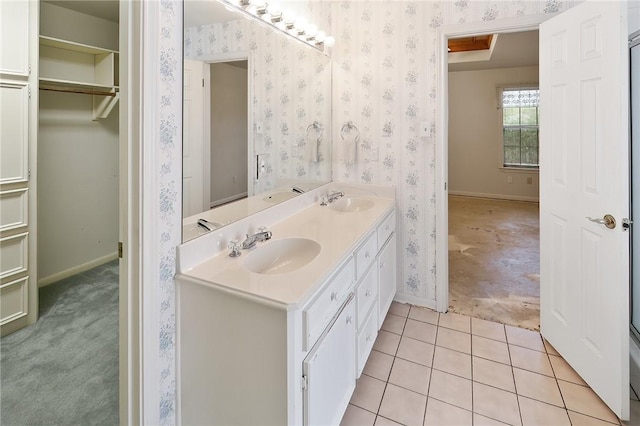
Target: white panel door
<point>584,265</point>
<point>193,196</point>
<point>14,33</point>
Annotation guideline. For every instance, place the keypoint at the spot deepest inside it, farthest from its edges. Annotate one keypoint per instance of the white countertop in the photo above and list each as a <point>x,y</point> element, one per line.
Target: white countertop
<point>338,234</point>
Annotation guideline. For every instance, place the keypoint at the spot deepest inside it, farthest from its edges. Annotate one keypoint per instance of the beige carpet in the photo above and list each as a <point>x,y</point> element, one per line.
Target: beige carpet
<point>494,260</point>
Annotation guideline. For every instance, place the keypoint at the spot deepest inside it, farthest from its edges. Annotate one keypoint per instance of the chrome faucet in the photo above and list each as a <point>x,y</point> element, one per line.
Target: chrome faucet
<point>251,240</point>
<point>330,198</point>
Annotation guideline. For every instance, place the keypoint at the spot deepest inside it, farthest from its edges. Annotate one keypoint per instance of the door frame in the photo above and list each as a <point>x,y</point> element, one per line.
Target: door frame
<point>500,26</point>
<point>251,163</point>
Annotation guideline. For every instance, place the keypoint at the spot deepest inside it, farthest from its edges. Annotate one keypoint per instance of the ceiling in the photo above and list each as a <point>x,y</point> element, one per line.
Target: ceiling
<point>511,50</point>
<point>203,12</point>
<point>105,9</point>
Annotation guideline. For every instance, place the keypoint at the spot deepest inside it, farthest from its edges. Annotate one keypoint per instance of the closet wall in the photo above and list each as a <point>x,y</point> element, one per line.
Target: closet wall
<point>77,163</point>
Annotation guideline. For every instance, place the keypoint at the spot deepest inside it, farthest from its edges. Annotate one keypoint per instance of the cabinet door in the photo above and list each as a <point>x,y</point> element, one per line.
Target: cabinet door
<point>386,278</point>
<point>330,370</point>
<point>14,37</point>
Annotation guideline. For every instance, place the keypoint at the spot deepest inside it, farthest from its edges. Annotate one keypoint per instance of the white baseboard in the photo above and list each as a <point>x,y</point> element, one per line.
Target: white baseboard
<point>495,196</point>
<point>226,200</point>
<point>634,363</point>
<point>76,269</point>
<point>416,301</point>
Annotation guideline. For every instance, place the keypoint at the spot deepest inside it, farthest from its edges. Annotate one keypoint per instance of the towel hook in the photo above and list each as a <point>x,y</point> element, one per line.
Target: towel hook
<point>317,126</point>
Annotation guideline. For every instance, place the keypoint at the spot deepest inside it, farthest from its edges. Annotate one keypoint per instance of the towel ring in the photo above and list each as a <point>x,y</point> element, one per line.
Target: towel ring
<point>317,126</point>
<point>349,125</point>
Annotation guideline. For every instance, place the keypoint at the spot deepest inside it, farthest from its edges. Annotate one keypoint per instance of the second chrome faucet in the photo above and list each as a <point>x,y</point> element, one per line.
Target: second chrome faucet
<point>249,242</point>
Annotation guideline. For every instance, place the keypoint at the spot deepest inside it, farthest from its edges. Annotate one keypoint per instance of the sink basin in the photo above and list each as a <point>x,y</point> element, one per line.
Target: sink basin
<point>281,256</point>
<point>351,205</point>
<point>278,197</point>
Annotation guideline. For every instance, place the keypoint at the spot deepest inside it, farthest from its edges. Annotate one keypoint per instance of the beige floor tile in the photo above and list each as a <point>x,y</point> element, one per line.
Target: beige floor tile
<point>453,339</point>
<point>479,420</point>
<point>563,371</point>
<point>578,419</point>
<point>424,315</point>
<point>490,349</point>
<point>453,362</point>
<point>410,375</point>
<point>403,406</point>
<point>537,386</point>
<point>401,309</point>
<point>488,329</point>
<point>420,331</point>
<point>378,365</point>
<point>525,338</point>
<point>635,414</point>
<point>394,323</point>
<point>531,360</point>
<point>387,342</point>
<point>584,401</point>
<point>442,414</point>
<point>356,416</point>
<point>536,413</point>
<point>455,322</point>
<point>451,389</point>
<point>550,349</point>
<point>381,421</point>
<point>368,393</point>
<point>416,351</point>
<point>493,373</point>
<point>496,404</point>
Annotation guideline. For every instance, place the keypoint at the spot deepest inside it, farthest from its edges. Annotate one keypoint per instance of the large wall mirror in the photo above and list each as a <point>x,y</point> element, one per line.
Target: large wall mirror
<point>257,117</point>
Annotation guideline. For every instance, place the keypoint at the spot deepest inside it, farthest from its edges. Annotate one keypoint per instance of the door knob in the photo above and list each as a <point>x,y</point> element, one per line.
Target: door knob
<point>607,220</point>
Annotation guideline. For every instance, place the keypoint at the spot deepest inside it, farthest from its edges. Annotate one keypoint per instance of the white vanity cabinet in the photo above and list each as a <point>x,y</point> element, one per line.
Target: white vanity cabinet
<point>249,352</point>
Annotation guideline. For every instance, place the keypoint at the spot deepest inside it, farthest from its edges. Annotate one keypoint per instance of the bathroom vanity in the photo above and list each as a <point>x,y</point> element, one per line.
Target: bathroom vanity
<point>279,334</point>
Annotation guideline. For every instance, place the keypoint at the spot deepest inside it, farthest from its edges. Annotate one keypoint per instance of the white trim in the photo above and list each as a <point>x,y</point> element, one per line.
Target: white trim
<point>418,301</point>
<point>495,196</point>
<point>149,224</point>
<point>130,315</point>
<point>499,26</point>
<point>76,269</point>
<point>226,200</point>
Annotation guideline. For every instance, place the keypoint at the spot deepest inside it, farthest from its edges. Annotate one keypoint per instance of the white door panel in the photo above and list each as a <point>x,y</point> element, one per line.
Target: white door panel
<point>584,173</point>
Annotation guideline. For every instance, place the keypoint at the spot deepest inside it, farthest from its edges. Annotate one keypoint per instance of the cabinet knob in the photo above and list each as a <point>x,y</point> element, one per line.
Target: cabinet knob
<point>366,255</point>
<point>367,293</point>
<point>381,265</point>
<point>349,319</point>
<point>334,295</point>
<point>368,339</point>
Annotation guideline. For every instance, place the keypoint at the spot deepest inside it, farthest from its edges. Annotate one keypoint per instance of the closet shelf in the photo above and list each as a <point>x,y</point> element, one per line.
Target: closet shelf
<point>77,87</point>
<point>71,45</point>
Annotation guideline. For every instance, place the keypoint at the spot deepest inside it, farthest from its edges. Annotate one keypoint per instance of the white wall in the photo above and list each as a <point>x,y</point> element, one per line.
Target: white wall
<point>77,166</point>
<point>229,89</point>
<point>475,136</point>
<point>66,24</point>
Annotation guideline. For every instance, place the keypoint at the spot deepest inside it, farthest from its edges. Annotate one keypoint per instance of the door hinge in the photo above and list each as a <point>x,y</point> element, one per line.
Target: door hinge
<point>203,82</point>
<point>626,224</point>
<point>120,249</point>
<point>29,92</point>
<point>445,186</point>
<point>305,383</point>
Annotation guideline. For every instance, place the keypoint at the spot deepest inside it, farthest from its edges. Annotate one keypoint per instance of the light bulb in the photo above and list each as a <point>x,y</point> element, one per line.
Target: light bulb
<point>300,24</point>
<point>320,36</point>
<point>274,8</point>
<point>311,30</point>
<point>259,3</point>
<point>329,41</point>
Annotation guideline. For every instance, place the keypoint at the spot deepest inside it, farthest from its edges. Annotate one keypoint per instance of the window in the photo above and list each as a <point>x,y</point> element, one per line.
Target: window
<point>520,127</point>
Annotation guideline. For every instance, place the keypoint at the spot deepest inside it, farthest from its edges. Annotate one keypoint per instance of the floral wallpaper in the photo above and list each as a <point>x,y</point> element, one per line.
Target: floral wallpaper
<point>384,81</point>
<point>291,92</point>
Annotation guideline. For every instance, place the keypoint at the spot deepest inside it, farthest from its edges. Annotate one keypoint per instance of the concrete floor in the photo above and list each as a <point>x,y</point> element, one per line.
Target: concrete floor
<point>494,260</point>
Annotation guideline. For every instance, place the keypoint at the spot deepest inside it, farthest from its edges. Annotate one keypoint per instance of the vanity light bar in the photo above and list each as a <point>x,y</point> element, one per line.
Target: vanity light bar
<point>284,21</point>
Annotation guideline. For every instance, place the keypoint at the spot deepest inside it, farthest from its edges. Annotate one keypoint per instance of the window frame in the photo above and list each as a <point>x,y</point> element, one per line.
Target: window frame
<point>516,167</point>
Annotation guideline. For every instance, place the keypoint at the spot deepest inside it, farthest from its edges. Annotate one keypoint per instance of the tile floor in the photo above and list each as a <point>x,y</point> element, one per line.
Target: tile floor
<point>448,369</point>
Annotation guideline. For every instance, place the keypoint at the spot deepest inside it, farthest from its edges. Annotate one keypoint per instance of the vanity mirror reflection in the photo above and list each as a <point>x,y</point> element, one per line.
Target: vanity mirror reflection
<point>257,117</point>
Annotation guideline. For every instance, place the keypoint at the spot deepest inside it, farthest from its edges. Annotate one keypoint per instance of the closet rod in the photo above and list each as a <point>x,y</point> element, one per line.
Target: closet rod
<point>75,90</point>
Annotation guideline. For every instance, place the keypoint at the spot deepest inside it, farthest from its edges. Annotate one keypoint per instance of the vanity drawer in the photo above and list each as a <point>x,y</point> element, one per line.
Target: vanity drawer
<point>386,228</point>
<point>366,295</point>
<point>365,340</point>
<point>365,255</point>
<point>323,308</point>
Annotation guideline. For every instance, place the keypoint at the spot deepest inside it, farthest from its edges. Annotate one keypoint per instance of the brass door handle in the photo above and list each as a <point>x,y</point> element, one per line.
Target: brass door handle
<point>607,220</point>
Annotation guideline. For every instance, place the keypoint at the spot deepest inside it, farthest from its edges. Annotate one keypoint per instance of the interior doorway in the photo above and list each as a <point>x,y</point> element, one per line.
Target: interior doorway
<point>493,231</point>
